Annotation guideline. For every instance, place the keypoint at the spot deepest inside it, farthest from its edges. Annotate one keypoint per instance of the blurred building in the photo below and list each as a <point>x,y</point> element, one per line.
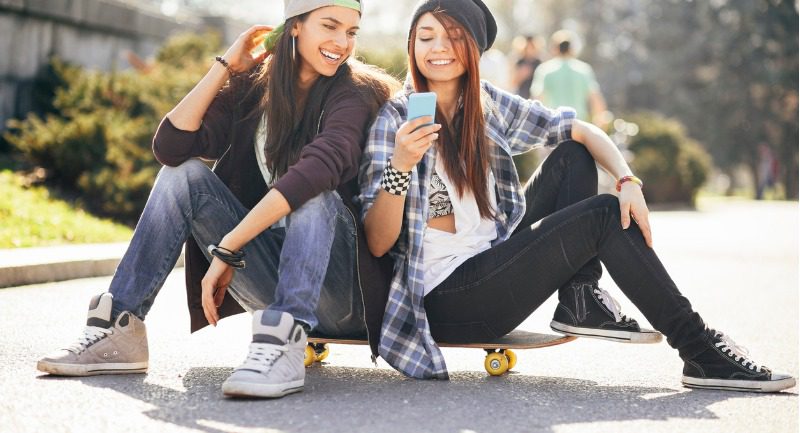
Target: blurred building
<point>91,33</point>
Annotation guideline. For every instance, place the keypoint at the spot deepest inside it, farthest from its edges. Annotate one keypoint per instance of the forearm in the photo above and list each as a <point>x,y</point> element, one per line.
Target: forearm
<point>383,222</point>
<point>188,114</point>
<point>602,149</point>
<point>267,212</point>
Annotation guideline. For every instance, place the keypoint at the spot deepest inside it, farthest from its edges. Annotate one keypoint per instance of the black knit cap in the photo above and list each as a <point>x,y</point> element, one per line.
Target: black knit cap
<point>472,14</point>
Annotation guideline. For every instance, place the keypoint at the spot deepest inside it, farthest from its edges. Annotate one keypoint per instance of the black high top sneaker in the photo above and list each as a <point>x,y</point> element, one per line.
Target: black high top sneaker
<point>727,366</point>
<point>585,310</point>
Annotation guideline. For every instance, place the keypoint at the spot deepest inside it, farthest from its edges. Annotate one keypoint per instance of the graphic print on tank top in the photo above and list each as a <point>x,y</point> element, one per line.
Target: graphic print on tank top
<point>439,198</point>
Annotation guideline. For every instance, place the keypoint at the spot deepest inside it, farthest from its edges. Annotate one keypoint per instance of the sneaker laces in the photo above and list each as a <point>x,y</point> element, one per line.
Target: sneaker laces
<point>262,356</point>
<point>735,351</point>
<point>91,335</point>
<point>610,303</point>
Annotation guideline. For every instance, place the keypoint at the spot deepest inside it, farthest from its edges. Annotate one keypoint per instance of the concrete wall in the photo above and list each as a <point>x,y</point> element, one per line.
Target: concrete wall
<point>91,33</point>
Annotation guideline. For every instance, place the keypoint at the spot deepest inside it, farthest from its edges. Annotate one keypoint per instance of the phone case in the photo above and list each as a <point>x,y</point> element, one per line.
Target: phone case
<point>422,104</point>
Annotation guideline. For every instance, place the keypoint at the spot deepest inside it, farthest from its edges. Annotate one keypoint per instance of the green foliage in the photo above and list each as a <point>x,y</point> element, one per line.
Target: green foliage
<point>526,164</point>
<point>30,217</point>
<point>97,138</point>
<point>394,61</point>
<point>673,166</point>
<point>726,69</point>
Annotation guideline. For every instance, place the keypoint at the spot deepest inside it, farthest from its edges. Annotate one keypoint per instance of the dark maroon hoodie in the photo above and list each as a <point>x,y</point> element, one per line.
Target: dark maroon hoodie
<point>330,161</point>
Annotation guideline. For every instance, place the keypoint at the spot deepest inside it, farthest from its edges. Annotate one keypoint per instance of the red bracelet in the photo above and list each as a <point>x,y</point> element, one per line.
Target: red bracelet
<point>633,179</point>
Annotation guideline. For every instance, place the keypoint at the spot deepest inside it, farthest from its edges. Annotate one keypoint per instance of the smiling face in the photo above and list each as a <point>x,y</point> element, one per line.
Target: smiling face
<point>437,51</point>
<point>325,40</point>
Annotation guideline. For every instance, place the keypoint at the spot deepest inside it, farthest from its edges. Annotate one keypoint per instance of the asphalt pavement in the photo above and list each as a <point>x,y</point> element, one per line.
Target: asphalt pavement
<point>736,261</point>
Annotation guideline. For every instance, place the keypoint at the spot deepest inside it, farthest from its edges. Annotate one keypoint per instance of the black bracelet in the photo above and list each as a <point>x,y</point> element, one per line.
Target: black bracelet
<point>226,65</point>
<point>232,258</point>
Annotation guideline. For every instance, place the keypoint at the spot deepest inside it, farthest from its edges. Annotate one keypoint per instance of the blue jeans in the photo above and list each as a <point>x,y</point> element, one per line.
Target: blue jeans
<point>307,269</point>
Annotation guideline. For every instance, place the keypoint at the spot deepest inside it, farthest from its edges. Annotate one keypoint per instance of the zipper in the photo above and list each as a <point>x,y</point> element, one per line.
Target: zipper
<point>221,157</point>
<point>361,289</point>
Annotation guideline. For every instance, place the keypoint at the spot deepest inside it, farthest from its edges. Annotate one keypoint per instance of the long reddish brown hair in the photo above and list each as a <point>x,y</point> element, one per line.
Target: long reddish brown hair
<point>462,142</point>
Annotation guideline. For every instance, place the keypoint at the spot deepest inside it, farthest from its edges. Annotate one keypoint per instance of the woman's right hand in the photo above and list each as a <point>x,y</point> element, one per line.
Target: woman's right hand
<point>214,285</point>
<point>239,55</point>
<point>410,143</point>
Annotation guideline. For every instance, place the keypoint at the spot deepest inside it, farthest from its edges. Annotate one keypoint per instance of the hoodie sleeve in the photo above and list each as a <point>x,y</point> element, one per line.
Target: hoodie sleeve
<point>333,156</point>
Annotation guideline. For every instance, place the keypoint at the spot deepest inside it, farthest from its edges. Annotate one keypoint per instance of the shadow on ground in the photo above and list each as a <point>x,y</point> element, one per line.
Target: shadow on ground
<point>379,400</point>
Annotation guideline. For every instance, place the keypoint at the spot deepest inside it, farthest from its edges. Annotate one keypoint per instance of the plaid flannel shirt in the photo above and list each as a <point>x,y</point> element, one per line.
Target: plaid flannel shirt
<point>513,125</point>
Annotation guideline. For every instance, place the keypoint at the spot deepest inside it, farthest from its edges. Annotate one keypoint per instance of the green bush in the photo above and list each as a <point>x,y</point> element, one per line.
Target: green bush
<point>673,166</point>
<point>32,217</point>
<point>97,139</point>
<point>394,61</point>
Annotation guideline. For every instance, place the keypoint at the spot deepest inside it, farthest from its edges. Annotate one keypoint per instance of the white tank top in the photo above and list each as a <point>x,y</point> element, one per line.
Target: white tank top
<point>443,252</point>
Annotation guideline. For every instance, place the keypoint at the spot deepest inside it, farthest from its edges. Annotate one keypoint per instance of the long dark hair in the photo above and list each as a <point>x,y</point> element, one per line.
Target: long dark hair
<point>462,143</point>
<point>290,126</point>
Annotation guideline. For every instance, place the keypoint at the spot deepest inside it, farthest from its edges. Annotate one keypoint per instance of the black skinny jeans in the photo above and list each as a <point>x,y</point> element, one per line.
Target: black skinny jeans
<point>567,230</point>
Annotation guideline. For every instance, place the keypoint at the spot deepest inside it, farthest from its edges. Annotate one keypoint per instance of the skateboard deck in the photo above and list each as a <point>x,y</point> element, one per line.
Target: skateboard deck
<point>499,359</point>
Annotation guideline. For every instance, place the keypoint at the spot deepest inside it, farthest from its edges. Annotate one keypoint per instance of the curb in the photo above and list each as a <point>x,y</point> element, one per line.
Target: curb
<point>25,266</point>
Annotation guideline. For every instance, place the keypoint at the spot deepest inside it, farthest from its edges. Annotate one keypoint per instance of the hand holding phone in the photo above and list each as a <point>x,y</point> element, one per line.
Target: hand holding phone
<point>418,133</point>
<point>422,104</point>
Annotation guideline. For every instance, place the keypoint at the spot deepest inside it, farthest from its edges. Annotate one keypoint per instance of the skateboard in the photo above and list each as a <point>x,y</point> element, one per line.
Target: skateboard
<point>499,355</point>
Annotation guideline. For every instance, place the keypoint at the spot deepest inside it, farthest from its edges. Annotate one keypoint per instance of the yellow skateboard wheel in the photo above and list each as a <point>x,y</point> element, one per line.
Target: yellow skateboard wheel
<point>512,358</point>
<point>496,363</point>
<point>321,355</point>
<point>310,356</point>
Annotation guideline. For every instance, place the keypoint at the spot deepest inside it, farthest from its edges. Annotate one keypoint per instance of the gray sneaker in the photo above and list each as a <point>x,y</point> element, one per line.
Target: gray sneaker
<point>103,348</point>
<point>274,366</point>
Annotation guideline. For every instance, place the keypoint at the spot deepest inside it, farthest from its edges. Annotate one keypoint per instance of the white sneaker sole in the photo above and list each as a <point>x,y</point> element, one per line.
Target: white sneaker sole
<point>646,336</point>
<point>271,390</point>
<point>739,385</point>
<point>61,369</point>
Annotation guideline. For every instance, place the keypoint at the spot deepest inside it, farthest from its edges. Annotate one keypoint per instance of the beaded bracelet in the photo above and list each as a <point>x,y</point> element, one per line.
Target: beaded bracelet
<point>394,181</point>
<point>633,179</point>
<point>225,64</point>
<point>232,258</point>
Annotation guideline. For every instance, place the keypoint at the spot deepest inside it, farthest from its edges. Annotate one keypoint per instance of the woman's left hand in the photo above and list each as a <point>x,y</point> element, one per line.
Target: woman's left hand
<point>215,284</point>
<point>632,204</point>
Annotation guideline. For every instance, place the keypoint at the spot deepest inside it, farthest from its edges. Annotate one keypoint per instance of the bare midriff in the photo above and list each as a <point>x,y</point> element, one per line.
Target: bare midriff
<point>445,223</point>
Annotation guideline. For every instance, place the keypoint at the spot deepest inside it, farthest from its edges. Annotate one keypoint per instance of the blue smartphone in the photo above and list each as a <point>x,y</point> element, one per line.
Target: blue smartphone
<point>420,105</point>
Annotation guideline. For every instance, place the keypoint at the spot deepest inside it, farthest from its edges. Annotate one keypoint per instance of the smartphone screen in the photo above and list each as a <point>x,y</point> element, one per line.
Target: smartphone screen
<point>422,104</point>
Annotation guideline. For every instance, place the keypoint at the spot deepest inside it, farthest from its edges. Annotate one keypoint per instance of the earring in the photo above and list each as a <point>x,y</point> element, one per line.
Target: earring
<point>294,48</point>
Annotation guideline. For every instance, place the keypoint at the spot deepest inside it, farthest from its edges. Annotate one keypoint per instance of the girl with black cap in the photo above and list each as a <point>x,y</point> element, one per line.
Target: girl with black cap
<point>475,253</point>
<point>286,130</point>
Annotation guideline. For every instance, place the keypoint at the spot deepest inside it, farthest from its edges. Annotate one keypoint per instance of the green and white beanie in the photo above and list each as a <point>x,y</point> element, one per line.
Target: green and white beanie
<point>293,8</point>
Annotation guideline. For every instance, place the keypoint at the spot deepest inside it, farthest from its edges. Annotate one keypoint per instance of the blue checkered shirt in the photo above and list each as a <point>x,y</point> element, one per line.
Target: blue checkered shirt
<point>513,125</point>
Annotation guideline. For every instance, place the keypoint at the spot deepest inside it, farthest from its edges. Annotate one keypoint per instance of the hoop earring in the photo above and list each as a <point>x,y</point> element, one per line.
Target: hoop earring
<point>294,48</point>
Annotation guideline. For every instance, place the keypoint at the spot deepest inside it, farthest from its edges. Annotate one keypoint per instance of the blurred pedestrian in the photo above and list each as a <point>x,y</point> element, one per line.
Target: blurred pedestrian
<point>566,81</point>
<point>526,57</point>
<point>766,170</point>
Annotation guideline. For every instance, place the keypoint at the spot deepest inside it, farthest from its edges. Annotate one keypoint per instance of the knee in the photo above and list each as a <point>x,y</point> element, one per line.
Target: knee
<point>183,174</point>
<point>607,201</point>
<point>320,207</point>
<point>574,153</point>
